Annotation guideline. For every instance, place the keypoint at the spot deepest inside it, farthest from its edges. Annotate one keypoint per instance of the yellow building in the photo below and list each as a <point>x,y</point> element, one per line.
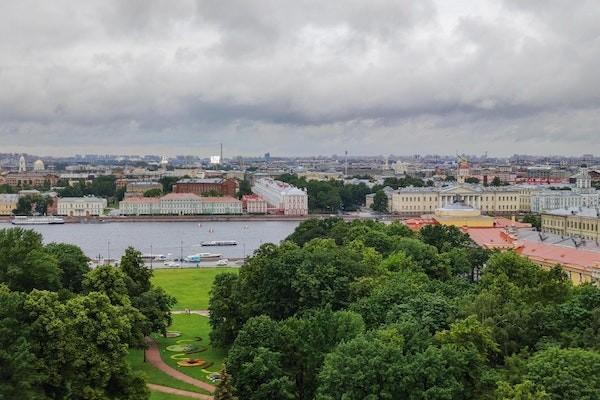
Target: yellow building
<point>462,215</point>
<point>574,222</point>
<point>491,200</point>
<point>8,202</point>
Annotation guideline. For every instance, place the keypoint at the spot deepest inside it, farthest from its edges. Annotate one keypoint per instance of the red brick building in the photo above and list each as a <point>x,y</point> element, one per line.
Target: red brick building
<point>31,179</point>
<point>225,187</point>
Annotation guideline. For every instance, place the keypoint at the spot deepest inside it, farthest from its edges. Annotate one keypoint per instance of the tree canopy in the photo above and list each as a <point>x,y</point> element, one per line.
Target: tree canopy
<point>365,310</point>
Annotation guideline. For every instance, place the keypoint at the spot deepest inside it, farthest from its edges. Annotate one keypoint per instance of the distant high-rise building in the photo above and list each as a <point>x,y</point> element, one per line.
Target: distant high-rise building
<point>268,157</point>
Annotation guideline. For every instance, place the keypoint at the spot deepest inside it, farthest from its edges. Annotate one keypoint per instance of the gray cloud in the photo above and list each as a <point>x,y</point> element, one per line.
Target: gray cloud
<point>300,77</point>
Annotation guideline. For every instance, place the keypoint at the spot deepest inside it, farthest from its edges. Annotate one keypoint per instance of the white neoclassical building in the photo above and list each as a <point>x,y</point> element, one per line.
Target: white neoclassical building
<point>425,200</point>
<point>282,196</point>
<point>582,194</point>
<point>80,206</point>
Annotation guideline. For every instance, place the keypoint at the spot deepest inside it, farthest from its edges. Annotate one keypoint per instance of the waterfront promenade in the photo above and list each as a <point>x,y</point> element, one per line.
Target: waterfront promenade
<point>215,218</point>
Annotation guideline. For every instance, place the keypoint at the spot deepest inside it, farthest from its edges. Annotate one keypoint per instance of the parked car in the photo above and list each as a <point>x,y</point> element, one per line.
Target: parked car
<point>172,264</point>
<point>222,262</point>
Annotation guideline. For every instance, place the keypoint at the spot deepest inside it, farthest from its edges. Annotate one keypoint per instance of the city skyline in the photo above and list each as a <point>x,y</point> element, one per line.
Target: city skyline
<point>299,78</point>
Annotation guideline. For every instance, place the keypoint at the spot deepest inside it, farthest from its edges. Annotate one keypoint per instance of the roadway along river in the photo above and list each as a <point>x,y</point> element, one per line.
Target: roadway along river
<point>104,240</point>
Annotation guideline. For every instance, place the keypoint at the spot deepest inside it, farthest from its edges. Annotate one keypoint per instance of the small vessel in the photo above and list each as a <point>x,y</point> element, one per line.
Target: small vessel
<point>154,257</point>
<point>202,257</point>
<point>219,243</point>
<point>24,220</point>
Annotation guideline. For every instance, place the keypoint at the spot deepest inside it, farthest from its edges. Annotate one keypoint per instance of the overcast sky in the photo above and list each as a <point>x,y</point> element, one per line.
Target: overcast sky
<point>300,77</point>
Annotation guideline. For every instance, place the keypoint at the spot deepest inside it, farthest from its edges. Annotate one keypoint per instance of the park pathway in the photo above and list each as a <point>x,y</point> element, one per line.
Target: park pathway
<point>204,313</point>
<point>153,357</point>
<point>178,392</point>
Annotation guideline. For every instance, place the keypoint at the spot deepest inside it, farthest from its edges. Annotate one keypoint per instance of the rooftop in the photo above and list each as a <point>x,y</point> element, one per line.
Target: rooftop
<point>575,211</point>
<point>212,181</point>
<point>180,196</point>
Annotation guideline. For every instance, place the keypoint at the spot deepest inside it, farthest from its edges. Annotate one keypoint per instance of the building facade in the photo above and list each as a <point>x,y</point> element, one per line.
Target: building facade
<point>138,188</point>
<point>225,187</point>
<point>425,200</point>
<point>80,206</point>
<point>31,179</point>
<point>281,197</point>
<point>180,204</point>
<point>253,204</point>
<point>578,222</point>
<point>582,194</point>
<point>8,202</point>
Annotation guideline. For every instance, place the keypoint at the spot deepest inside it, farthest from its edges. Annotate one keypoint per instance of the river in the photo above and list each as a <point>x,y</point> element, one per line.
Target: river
<point>109,240</point>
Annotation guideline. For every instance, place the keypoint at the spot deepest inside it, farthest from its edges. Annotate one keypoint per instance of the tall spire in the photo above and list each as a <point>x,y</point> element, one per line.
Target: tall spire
<point>22,164</point>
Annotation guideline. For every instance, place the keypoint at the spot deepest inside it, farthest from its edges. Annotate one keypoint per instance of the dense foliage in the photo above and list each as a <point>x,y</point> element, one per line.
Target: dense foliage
<point>364,310</point>
<point>65,329</point>
<point>32,205</point>
<point>330,196</point>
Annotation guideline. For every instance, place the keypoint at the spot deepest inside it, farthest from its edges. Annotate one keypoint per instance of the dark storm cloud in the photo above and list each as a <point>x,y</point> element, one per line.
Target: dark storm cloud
<point>300,77</point>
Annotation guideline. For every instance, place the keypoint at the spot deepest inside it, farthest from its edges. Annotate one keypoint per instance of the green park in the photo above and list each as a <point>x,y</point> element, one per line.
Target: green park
<point>337,311</point>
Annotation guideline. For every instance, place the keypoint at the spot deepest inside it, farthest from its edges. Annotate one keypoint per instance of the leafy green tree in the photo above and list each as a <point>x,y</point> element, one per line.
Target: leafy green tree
<point>497,182</point>
<point>82,345</point>
<point>73,264</point>
<point>31,204</point>
<point>225,315</point>
<point>566,373</point>
<point>153,193</point>
<point>24,263</point>
<point>308,338</point>
<point>520,391</point>
<point>257,369</point>
<point>137,275</point>
<point>103,186</point>
<point>444,237</point>
<point>110,281</point>
<point>425,256</point>
<point>19,375</point>
<point>244,188</point>
<point>380,202</point>
<point>534,220</point>
<point>292,349</point>
<point>472,179</point>
<point>155,305</point>
<point>312,229</point>
<point>224,389</point>
<point>167,183</point>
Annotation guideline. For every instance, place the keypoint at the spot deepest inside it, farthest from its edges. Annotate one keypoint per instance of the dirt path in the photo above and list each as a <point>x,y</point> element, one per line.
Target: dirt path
<point>197,312</point>
<point>153,357</point>
<point>178,392</point>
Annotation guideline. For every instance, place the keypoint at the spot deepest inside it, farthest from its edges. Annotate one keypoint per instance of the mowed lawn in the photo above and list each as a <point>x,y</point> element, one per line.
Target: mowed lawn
<point>190,286</point>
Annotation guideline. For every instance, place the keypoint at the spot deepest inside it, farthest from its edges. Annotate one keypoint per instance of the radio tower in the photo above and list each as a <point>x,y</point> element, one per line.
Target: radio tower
<point>221,154</point>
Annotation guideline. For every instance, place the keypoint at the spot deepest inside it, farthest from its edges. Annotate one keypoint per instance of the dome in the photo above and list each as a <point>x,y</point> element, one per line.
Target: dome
<point>457,209</point>
<point>38,165</point>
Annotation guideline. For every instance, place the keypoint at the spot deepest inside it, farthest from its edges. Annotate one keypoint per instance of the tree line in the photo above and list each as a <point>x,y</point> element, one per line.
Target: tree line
<point>335,195</point>
<point>65,329</point>
<point>364,310</point>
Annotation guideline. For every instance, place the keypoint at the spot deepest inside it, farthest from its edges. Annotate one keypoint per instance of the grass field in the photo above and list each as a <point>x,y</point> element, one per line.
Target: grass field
<point>164,396</point>
<point>192,326</point>
<point>189,285</point>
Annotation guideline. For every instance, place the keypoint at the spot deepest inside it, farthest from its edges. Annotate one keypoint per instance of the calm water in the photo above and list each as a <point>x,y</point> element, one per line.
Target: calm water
<point>110,239</point>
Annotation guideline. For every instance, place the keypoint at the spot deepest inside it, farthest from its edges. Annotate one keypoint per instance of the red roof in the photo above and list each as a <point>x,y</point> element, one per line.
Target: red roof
<point>492,238</point>
<point>556,254</point>
<point>501,222</point>
<point>180,196</point>
<point>223,199</point>
<point>141,200</point>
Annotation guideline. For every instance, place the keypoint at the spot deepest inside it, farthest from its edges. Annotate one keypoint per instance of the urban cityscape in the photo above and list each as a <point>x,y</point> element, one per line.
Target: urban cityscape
<point>299,200</point>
